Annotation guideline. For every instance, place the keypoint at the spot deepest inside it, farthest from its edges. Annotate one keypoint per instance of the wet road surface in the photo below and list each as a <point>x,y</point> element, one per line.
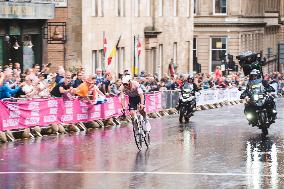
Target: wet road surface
<point>217,149</point>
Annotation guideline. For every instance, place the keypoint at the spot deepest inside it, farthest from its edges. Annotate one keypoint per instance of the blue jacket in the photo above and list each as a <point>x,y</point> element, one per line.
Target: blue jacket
<point>7,92</point>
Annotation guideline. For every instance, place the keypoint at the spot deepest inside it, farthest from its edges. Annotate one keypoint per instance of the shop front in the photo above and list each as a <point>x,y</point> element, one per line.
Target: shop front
<point>21,32</point>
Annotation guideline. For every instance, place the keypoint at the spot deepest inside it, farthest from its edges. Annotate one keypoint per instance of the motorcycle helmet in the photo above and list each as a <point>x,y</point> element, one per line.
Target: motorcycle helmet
<point>190,78</point>
<point>255,74</point>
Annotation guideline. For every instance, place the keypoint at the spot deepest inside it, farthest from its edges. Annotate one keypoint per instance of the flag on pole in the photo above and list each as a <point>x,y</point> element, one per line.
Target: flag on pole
<point>113,52</point>
<point>105,45</point>
<point>139,48</point>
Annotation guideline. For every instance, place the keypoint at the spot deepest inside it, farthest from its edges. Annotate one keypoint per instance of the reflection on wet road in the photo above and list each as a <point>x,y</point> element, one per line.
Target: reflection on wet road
<point>217,149</point>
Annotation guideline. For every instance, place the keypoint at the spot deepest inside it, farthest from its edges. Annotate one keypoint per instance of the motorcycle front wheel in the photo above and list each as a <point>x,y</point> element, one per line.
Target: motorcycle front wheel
<point>264,131</point>
<point>181,114</point>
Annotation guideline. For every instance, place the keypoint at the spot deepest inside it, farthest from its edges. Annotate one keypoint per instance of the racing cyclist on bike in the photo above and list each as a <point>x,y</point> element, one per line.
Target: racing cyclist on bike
<point>135,93</point>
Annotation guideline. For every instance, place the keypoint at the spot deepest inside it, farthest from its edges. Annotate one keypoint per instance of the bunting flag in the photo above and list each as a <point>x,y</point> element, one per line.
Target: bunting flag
<point>105,45</point>
<point>113,52</point>
<point>111,55</point>
<point>139,48</point>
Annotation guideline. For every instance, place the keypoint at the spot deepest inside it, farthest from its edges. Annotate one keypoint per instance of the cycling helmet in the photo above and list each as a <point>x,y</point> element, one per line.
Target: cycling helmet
<point>126,79</point>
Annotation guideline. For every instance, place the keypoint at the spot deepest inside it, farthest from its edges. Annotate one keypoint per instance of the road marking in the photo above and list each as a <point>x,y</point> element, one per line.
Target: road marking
<point>137,172</point>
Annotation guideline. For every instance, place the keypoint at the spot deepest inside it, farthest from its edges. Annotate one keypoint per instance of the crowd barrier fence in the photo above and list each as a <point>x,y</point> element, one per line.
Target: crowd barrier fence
<point>24,113</point>
<point>208,96</point>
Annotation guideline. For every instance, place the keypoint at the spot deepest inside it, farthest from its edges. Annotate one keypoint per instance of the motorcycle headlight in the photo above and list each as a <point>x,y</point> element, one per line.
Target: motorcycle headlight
<point>255,97</point>
<point>249,116</point>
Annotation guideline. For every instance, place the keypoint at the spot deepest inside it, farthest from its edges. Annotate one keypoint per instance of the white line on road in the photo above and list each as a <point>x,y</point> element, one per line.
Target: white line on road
<point>152,173</point>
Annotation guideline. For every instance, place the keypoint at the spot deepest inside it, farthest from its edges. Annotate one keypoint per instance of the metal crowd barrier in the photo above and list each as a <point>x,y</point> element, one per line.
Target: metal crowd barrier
<point>170,99</point>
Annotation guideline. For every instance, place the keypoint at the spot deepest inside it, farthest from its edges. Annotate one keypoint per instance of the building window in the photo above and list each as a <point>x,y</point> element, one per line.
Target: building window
<point>120,7</point>
<point>97,8</point>
<point>175,7</point>
<point>148,8</point>
<point>194,51</point>
<point>194,7</point>
<point>220,6</point>
<point>120,58</point>
<point>218,51</point>
<point>269,52</point>
<point>95,61</point>
<point>137,8</point>
<point>98,60</point>
<point>94,7</point>
<point>160,8</point>
<point>161,60</point>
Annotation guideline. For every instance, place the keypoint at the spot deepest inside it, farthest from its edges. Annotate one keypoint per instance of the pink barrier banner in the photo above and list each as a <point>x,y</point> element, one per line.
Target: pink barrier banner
<point>153,102</point>
<point>43,112</point>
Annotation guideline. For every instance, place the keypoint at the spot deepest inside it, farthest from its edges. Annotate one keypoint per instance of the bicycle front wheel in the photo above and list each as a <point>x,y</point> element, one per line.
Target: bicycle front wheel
<point>138,137</point>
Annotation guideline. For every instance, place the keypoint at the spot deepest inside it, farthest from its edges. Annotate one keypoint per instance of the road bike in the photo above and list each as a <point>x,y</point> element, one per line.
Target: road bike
<point>140,131</point>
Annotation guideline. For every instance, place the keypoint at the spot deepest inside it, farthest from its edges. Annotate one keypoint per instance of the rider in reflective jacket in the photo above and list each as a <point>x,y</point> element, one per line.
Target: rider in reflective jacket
<point>188,84</point>
<point>255,77</point>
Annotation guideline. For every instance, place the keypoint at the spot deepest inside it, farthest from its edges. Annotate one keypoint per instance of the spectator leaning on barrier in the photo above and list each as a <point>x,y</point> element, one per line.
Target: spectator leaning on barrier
<point>63,88</point>
<point>5,90</point>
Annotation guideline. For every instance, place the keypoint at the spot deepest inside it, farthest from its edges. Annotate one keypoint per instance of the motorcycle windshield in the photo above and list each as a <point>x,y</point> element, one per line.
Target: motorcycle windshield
<point>257,88</point>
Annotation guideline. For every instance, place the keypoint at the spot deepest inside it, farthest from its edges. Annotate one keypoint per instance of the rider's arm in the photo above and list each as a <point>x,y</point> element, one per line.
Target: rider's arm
<point>141,94</point>
<point>268,87</point>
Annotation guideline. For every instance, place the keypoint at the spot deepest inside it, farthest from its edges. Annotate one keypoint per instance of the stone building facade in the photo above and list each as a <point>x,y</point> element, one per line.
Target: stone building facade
<point>223,27</point>
<point>164,28</point>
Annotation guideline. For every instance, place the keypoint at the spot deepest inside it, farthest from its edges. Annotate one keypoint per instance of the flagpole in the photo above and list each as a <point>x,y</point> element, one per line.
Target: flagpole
<point>104,62</point>
<point>134,66</point>
<point>138,57</point>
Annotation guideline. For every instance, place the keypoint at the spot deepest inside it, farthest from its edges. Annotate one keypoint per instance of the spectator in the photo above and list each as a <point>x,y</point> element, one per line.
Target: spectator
<point>5,89</point>
<point>17,70</point>
<point>36,69</point>
<point>43,86</point>
<point>78,80</point>
<point>99,77</point>
<point>28,88</point>
<point>217,73</point>
<point>60,75</point>
<point>114,91</point>
<point>63,88</point>
<point>106,84</point>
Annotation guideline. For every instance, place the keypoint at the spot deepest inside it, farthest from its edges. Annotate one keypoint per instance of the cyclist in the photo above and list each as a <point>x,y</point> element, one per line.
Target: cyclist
<point>136,97</point>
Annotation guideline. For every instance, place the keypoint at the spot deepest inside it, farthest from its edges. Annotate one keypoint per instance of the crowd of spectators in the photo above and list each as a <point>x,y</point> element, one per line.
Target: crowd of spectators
<point>39,82</point>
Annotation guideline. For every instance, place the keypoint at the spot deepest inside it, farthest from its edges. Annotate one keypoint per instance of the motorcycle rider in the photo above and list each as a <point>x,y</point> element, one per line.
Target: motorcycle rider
<point>189,84</point>
<point>255,77</point>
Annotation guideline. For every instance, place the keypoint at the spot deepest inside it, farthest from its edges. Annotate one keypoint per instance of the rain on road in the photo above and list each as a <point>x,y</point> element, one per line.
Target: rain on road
<point>217,149</point>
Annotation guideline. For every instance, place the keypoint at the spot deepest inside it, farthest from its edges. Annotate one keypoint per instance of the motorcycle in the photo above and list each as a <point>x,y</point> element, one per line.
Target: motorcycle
<point>257,113</point>
<point>187,105</point>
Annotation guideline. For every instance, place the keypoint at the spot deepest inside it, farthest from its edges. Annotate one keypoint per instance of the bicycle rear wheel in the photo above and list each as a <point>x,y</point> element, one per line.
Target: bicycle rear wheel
<point>138,136</point>
<point>147,138</point>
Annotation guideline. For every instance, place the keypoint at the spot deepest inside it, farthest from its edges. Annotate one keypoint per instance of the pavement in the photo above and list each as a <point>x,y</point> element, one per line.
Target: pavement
<point>216,149</point>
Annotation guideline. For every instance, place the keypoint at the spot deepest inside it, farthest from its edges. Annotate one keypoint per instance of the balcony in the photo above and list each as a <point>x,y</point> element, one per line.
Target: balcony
<point>27,9</point>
